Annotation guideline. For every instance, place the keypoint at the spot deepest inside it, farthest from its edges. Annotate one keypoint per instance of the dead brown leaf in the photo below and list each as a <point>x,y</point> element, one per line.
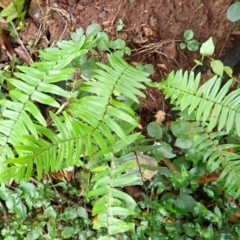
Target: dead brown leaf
<point>160,117</point>
<point>37,10</point>
<point>23,55</point>
<point>6,44</point>
<point>68,175</point>
<point>4,3</point>
<point>209,177</point>
<point>169,50</point>
<point>163,66</point>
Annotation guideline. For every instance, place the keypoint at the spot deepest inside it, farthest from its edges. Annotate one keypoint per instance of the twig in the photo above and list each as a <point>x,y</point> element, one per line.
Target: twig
<point>21,44</point>
<point>117,12</point>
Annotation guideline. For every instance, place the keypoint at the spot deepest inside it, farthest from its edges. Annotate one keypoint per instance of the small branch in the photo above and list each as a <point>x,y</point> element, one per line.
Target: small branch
<point>21,44</point>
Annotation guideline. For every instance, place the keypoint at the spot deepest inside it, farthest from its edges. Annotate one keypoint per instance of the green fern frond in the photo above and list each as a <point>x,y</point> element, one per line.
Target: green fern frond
<point>91,126</point>
<point>112,204</point>
<point>31,85</point>
<point>211,103</point>
<point>13,10</point>
<point>216,155</point>
<point>120,77</point>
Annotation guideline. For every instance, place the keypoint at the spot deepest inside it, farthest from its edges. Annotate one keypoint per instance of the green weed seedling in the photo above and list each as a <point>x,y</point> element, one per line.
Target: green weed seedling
<point>207,50</point>
<point>189,43</point>
<point>233,12</point>
<point>120,25</point>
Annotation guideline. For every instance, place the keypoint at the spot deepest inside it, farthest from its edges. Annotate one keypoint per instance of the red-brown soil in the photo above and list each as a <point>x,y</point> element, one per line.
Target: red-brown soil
<point>152,29</point>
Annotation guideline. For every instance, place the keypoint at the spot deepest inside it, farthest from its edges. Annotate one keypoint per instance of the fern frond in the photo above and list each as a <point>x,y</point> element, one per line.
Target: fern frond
<point>31,85</point>
<point>102,107</point>
<point>217,156</point>
<point>112,204</point>
<point>210,105</point>
<point>92,126</point>
<point>213,105</point>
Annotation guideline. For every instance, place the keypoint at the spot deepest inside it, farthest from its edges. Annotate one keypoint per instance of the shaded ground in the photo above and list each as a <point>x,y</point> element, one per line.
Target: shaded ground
<point>146,22</point>
<point>152,28</point>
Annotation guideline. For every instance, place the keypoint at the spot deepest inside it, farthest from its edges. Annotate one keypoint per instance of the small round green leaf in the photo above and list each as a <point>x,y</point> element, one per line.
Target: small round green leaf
<point>183,143</point>
<point>154,130</point>
<point>228,71</point>
<point>192,45</point>
<point>127,51</point>
<point>164,150</point>
<point>188,34</point>
<point>93,29</point>
<point>120,25</point>
<point>217,67</point>
<point>148,68</point>
<point>103,42</point>
<point>178,181</point>
<point>119,43</point>
<point>20,209</point>
<point>185,203</point>
<point>181,162</point>
<point>189,229</point>
<point>182,45</point>
<point>207,48</point>
<point>180,129</point>
<point>32,235</point>
<point>233,12</point>
<point>77,35</point>
<point>50,212</point>
<point>67,232</point>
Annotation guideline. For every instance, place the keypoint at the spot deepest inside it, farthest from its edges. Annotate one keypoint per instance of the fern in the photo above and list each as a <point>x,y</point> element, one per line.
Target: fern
<point>92,127</point>
<point>89,126</point>
<point>113,203</point>
<point>212,106</point>
<point>13,10</point>
<point>31,85</point>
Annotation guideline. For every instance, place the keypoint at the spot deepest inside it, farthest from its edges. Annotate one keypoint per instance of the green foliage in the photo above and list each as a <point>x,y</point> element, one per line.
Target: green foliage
<point>120,25</point>
<point>14,10</point>
<point>189,43</point>
<point>92,125</point>
<point>216,112</point>
<point>207,48</point>
<point>154,130</point>
<point>87,129</point>
<point>32,201</point>
<point>233,12</point>
<point>113,203</point>
<point>84,128</point>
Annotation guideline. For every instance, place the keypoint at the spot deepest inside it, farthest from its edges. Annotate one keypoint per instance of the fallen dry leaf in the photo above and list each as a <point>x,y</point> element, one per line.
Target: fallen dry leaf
<point>209,177</point>
<point>37,10</point>
<point>160,117</point>
<point>146,160</point>
<point>169,50</point>
<point>95,219</point>
<point>23,55</point>
<point>4,3</point>
<point>58,175</point>
<point>6,44</point>
<point>163,66</point>
<point>235,217</point>
<point>68,175</point>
